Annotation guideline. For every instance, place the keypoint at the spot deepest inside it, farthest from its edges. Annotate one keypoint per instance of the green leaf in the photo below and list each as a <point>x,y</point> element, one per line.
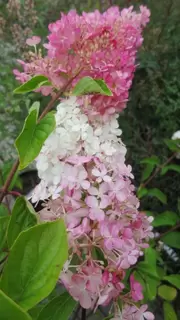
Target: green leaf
<point>34,83</point>
<point>167,293</point>
<point>151,288</point>
<point>172,239</point>
<point>88,85</point>
<point>23,217</point>
<point>142,192</point>
<point>167,218</point>
<point>149,285</point>
<point>33,135</point>
<point>151,256</point>
<point>3,228</point>
<point>10,310</point>
<point>173,167</point>
<point>148,269</point>
<point>60,308</point>
<point>35,106</point>
<point>3,211</point>
<point>173,145</point>
<point>161,272</point>
<point>152,160</point>
<point>158,194</point>
<point>173,279</point>
<point>147,171</point>
<point>169,312</point>
<point>34,312</point>
<point>34,263</point>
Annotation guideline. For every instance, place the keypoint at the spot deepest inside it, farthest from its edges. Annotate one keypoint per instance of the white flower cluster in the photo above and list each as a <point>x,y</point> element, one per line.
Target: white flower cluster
<point>75,135</point>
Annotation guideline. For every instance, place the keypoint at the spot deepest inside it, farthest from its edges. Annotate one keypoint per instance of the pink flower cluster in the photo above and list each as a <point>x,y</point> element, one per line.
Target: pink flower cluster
<point>82,170</point>
<point>82,163</point>
<point>103,46</point>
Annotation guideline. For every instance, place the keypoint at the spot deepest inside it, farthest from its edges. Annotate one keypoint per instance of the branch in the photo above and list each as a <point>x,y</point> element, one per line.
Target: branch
<point>168,231</point>
<point>45,111</point>
<point>57,96</point>
<point>158,170</point>
<point>9,179</point>
<point>12,193</point>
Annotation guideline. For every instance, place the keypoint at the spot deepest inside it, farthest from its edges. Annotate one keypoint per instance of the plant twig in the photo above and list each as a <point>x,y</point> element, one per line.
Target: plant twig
<point>6,198</point>
<point>45,111</point>
<point>57,96</point>
<point>158,170</point>
<point>12,193</point>
<point>9,179</point>
<point>168,231</point>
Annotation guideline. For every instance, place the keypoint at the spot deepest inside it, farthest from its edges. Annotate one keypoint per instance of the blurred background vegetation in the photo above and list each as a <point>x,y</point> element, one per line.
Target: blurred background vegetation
<point>153,110</point>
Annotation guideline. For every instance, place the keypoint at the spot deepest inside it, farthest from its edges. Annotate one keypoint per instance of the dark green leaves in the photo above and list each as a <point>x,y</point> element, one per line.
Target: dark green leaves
<point>167,293</point>
<point>151,160</point>
<point>158,194</point>
<point>166,218</point>
<point>22,217</point>
<point>60,308</point>
<point>148,270</point>
<point>169,313</point>
<point>152,193</point>
<point>171,167</point>
<point>173,145</point>
<point>34,263</point>
<point>172,239</point>
<point>147,171</point>
<point>88,85</point>
<point>146,273</point>
<point>142,192</point>
<point>34,83</point>
<point>174,279</point>
<point>10,310</point>
<point>151,163</point>
<point>33,135</point>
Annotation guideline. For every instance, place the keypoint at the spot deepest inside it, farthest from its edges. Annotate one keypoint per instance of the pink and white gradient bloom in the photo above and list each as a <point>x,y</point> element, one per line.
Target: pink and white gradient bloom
<point>82,163</point>
<point>94,195</point>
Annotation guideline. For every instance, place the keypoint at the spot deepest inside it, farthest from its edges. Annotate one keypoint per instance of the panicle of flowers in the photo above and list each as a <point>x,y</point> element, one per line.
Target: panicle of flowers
<point>103,45</point>
<point>83,172</point>
<point>84,178</point>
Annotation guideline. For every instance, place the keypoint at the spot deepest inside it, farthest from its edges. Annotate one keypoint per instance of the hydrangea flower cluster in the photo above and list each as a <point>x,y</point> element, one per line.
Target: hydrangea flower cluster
<point>103,46</point>
<point>82,170</point>
<point>84,178</point>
